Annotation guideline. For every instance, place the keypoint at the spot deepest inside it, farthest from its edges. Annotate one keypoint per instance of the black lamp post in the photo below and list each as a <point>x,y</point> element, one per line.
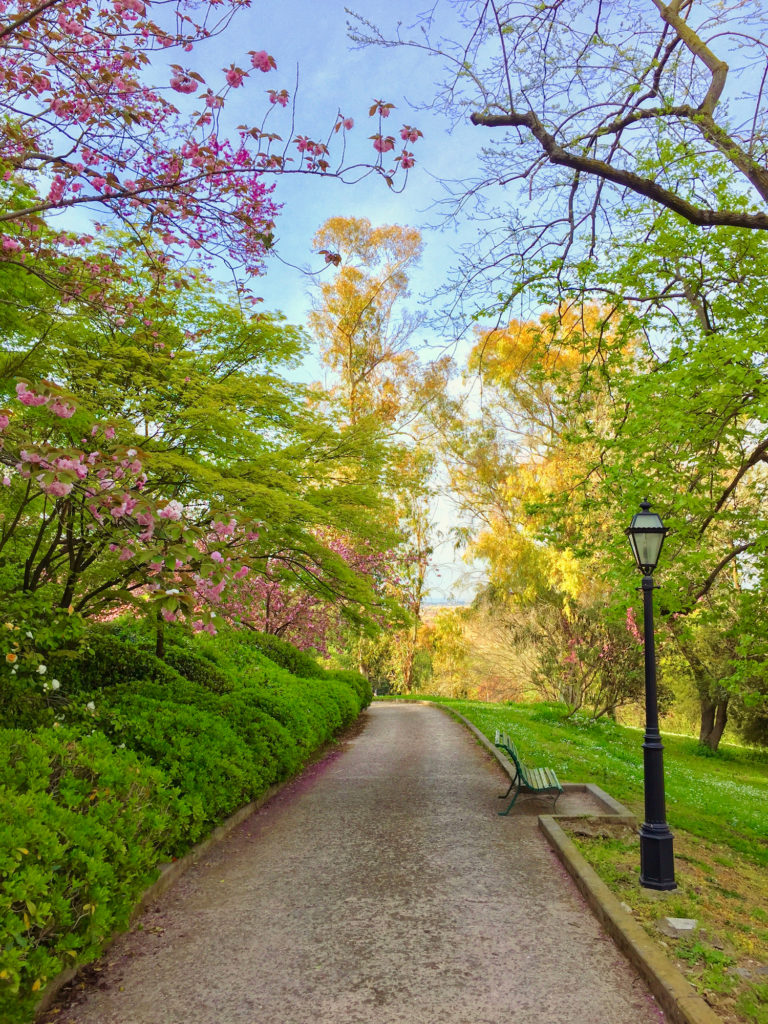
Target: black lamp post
<point>646,534</point>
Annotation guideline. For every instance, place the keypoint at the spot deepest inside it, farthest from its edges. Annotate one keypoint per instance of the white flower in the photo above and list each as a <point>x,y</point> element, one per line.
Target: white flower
<point>30,635</point>
<point>41,670</point>
<point>174,591</point>
<point>55,684</point>
<point>91,706</point>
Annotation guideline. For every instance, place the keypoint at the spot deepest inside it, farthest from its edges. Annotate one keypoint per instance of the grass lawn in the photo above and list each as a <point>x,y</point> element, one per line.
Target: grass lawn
<point>717,807</point>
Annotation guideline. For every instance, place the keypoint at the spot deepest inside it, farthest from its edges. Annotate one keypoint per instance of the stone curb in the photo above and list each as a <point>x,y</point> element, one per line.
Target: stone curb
<point>673,992</point>
<point>171,872</point>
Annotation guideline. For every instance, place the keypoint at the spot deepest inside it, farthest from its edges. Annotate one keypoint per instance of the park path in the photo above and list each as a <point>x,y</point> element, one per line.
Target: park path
<point>381,887</point>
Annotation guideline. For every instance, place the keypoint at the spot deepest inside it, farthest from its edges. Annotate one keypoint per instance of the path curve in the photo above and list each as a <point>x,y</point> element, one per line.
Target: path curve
<point>380,887</point>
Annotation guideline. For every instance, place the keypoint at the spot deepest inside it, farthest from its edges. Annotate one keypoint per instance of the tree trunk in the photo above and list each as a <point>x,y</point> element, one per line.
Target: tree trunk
<point>160,636</point>
<point>714,717</point>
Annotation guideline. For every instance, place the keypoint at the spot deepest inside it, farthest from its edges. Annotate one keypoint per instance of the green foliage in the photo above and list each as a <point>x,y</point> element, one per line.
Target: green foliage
<point>282,653</point>
<point>150,759</point>
<point>357,681</point>
<point>197,751</point>
<point>109,661</point>
<point>84,827</point>
<point>36,644</point>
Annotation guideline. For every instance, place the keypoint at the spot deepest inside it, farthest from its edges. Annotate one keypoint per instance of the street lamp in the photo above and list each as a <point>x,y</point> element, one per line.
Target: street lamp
<point>646,534</point>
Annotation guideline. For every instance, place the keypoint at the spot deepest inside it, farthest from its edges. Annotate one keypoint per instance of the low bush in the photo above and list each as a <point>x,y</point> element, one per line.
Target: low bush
<point>84,825</point>
<point>109,661</point>
<point>152,755</point>
<point>297,662</point>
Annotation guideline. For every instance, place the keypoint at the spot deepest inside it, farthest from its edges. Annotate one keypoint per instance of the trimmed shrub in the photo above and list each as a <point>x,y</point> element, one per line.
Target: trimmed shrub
<point>196,749</point>
<point>357,681</point>
<point>153,755</point>
<point>84,826</point>
<point>109,661</point>
<point>195,667</point>
<point>297,662</point>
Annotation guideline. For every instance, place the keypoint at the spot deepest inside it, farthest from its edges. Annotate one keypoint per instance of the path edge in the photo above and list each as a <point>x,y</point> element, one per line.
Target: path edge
<point>172,871</point>
<point>673,992</point>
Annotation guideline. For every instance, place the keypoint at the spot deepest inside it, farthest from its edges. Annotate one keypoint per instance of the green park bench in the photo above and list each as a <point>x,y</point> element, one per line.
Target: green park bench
<point>527,780</point>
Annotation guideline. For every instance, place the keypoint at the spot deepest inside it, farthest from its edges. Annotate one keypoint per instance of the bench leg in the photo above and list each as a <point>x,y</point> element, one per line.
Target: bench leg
<point>503,796</point>
<point>517,794</point>
<point>513,783</point>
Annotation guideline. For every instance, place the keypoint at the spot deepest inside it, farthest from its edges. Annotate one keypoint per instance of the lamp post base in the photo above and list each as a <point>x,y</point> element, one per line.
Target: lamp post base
<point>657,862</point>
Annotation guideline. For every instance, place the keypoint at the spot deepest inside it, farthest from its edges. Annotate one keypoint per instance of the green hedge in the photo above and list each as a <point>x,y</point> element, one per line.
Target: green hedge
<point>150,756</point>
<point>84,826</point>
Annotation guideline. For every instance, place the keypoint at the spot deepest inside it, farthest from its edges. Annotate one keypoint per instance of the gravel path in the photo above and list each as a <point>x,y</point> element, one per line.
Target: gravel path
<point>380,887</point>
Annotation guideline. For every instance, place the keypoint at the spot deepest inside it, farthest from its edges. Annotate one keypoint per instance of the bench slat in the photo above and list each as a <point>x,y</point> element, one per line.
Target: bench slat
<point>534,779</point>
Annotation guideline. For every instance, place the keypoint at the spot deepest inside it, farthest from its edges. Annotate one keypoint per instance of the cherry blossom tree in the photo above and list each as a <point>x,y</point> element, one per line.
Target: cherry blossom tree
<point>95,115</point>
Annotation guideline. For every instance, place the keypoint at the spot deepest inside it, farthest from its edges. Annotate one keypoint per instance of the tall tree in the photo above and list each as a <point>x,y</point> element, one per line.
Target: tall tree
<point>358,318</point>
<point>594,103</point>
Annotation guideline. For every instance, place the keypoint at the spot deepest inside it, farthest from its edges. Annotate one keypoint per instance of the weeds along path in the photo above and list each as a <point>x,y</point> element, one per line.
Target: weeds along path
<point>381,886</point>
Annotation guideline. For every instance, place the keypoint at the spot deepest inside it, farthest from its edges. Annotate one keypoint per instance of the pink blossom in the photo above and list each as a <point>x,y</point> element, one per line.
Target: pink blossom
<point>6,481</point>
<point>60,408</point>
<point>58,488</point>
<point>182,82</point>
<point>262,61</point>
<point>224,529</point>
<point>216,556</point>
<point>348,123</point>
<point>171,511</point>
<point>234,77</point>
<point>4,421</point>
<point>406,160</point>
<point>241,572</point>
<point>10,243</point>
<point>125,554</point>
<point>280,98</point>
<point>27,397</point>
<point>168,615</point>
<point>408,134</point>
<point>632,627</point>
<point>109,433</point>
<point>382,144</point>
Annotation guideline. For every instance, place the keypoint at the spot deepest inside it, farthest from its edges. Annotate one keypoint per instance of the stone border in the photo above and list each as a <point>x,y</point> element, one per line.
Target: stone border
<point>672,990</point>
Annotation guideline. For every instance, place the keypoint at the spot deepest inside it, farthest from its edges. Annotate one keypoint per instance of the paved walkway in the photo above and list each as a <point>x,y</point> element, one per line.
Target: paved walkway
<point>381,887</point>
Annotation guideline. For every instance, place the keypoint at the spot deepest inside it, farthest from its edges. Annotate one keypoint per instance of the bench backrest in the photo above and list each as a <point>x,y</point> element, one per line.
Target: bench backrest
<point>509,746</point>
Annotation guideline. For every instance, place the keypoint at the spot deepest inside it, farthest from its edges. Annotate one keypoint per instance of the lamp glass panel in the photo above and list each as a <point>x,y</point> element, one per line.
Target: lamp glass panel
<point>649,547</point>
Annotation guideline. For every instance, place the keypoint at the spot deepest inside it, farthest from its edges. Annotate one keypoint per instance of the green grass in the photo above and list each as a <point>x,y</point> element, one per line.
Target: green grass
<point>720,796</point>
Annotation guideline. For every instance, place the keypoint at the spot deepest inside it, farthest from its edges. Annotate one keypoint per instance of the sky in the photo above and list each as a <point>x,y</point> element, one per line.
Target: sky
<point>335,76</point>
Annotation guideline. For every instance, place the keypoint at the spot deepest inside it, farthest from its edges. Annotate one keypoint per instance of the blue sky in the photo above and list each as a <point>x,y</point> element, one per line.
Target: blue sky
<point>333,76</point>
